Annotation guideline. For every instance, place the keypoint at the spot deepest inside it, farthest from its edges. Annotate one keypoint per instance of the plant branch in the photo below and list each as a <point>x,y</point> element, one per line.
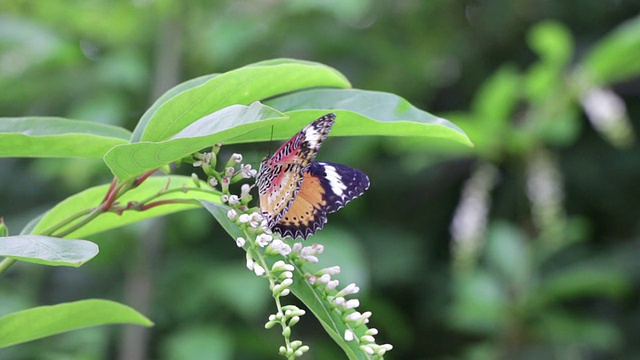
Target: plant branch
<point>69,219</point>
<point>92,215</point>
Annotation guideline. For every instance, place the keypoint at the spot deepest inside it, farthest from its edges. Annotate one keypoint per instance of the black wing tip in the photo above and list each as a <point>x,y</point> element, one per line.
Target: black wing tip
<point>303,232</point>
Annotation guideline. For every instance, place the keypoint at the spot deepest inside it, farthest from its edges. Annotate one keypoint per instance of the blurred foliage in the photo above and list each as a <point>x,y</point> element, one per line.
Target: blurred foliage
<point>543,265</point>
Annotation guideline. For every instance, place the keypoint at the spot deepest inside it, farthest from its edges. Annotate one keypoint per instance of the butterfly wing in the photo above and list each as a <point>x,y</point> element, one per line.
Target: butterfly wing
<point>326,187</point>
<point>280,177</point>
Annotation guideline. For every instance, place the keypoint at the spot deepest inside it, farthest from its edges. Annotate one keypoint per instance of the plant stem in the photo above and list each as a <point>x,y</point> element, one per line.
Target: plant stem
<point>5,264</point>
<point>113,193</point>
<point>92,215</point>
<point>50,230</point>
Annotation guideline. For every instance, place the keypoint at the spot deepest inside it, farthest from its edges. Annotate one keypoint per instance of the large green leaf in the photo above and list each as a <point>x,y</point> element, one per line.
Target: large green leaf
<point>129,160</point>
<point>43,321</point>
<point>48,250</point>
<point>309,295</point>
<point>57,137</point>
<point>137,132</point>
<point>359,112</point>
<point>241,86</point>
<point>93,196</point>
<point>615,58</point>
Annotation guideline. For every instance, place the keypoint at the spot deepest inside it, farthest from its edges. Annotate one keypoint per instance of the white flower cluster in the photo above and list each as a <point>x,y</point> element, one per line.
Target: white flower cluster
<point>352,318</point>
<point>261,245</point>
<point>288,315</point>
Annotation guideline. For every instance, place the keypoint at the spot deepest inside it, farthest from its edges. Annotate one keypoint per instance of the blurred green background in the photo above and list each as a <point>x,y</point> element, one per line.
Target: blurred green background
<point>525,247</point>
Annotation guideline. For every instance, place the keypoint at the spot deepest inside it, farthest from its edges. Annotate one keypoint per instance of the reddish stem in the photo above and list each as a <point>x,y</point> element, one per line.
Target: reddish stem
<point>143,177</point>
<point>150,205</point>
<point>110,198</point>
<point>112,187</point>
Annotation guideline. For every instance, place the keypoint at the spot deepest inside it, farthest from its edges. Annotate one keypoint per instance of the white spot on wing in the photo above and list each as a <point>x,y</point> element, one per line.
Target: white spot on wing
<point>313,137</point>
<point>335,180</point>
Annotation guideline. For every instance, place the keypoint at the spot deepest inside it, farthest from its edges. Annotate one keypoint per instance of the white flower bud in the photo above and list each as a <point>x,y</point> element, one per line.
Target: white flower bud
<point>259,270</point>
<point>332,284</point>
<point>240,242</point>
<point>348,335</point>
<point>351,304</point>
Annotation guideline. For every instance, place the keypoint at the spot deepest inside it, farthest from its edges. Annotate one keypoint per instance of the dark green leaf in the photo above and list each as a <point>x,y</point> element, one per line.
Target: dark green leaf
<point>564,330</point>
<point>580,281</point>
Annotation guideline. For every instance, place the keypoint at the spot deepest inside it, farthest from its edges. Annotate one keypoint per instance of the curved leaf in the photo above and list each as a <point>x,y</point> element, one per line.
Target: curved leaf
<point>309,295</point>
<point>43,321</point>
<point>57,137</point>
<point>129,160</point>
<point>615,57</point>
<point>359,112</point>
<point>241,86</point>
<point>142,124</point>
<point>93,196</point>
<point>47,250</point>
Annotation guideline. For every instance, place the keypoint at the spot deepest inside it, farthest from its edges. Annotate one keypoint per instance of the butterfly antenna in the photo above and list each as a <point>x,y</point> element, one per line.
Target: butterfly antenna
<point>270,142</point>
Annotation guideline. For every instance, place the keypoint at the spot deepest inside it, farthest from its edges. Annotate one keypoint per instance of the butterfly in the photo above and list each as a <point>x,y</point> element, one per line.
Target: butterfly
<point>296,194</point>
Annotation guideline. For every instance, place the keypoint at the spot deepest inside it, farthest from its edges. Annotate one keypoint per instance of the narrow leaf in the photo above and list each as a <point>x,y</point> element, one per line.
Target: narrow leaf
<point>57,137</point>
<point>126,161</point>
<point>43,321</point>
<point>92,197</point>
<point>47,250</point>
<point>241,86</point>
<point>615,57</point>
<point>219,212</point>
<point>309,295</point>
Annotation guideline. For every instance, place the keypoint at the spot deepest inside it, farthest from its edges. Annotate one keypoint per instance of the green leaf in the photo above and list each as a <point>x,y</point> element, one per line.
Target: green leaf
<point>581,281</point>
<point>497,98</point>
<point>43,321</point>
<point>481,303</point>
<point>359,113</point>
<point>566,330</point>
<point>219,212</point>
<point>330,321</point>
<point>137,132</point>
<point>57,137</point>
<point>93,197</point>
<point>241,86</point>
<point>552,42</point>
<point>509,254</point>
<point>309,295</point>
<point>47,250</point>
<point>615,58</point>
<point>129,160</point>
<point>194,341</point>
<point>493,107</point>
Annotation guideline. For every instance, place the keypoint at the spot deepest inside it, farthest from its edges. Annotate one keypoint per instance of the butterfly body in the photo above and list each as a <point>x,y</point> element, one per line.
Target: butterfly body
<point>296,194</point>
